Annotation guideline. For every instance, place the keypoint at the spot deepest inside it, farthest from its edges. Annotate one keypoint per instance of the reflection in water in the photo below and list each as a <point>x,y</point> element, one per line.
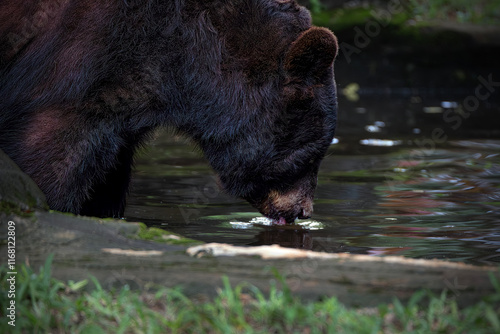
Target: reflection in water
<point>442,202</point>
<point>287,237</point>
<point>297,235</point>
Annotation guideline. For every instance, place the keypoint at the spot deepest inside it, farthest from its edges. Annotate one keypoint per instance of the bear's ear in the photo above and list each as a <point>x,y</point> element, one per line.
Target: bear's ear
<point>311,54</point>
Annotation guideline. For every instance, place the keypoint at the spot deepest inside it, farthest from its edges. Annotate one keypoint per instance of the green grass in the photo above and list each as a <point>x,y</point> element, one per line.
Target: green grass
<point>45,305</point>
<point>162,236</point>
<point>14,209</point>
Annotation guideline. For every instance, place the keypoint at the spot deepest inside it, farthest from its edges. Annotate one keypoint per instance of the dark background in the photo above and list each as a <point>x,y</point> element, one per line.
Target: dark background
<point>416,66</point>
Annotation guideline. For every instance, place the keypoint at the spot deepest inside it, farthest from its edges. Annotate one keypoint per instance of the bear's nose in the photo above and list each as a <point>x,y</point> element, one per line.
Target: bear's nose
<point>304,214</point>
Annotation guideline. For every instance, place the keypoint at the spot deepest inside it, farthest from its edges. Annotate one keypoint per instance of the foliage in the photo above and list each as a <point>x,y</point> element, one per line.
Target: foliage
<point>420,12</point>
<point>461,11</point>
<point>316,6</point>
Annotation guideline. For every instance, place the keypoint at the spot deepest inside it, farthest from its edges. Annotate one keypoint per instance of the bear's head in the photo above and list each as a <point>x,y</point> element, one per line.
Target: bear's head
<point>303,132</point>
<point>274,102</point>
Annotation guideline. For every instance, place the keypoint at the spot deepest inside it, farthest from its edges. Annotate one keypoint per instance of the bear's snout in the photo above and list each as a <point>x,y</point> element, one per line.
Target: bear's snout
<point>286,207</point>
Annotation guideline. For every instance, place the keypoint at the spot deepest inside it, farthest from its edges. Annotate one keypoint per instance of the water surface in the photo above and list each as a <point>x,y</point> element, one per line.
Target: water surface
<point>375,196</point>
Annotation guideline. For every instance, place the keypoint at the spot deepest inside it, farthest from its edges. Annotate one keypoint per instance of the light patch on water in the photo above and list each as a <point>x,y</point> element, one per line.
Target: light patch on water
<point>311,224</point>
<point>264,221</point>
<point>433,110</point>
<point>477,144</point>
<point>375,127</point>
<point>449,104</point>
<point>241,225</point>
<point>372,128</point>
<point>380,142</point>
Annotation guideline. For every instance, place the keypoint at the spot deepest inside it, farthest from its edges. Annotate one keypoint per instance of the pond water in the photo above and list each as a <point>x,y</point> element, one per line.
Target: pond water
<point>428,193</point>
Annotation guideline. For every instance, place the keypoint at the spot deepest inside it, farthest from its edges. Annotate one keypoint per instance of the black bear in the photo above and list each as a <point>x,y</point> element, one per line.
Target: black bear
<point>84,83</point>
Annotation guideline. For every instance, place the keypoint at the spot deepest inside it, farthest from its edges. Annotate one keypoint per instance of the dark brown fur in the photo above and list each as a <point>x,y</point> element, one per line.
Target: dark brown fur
<point>84,83</point>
